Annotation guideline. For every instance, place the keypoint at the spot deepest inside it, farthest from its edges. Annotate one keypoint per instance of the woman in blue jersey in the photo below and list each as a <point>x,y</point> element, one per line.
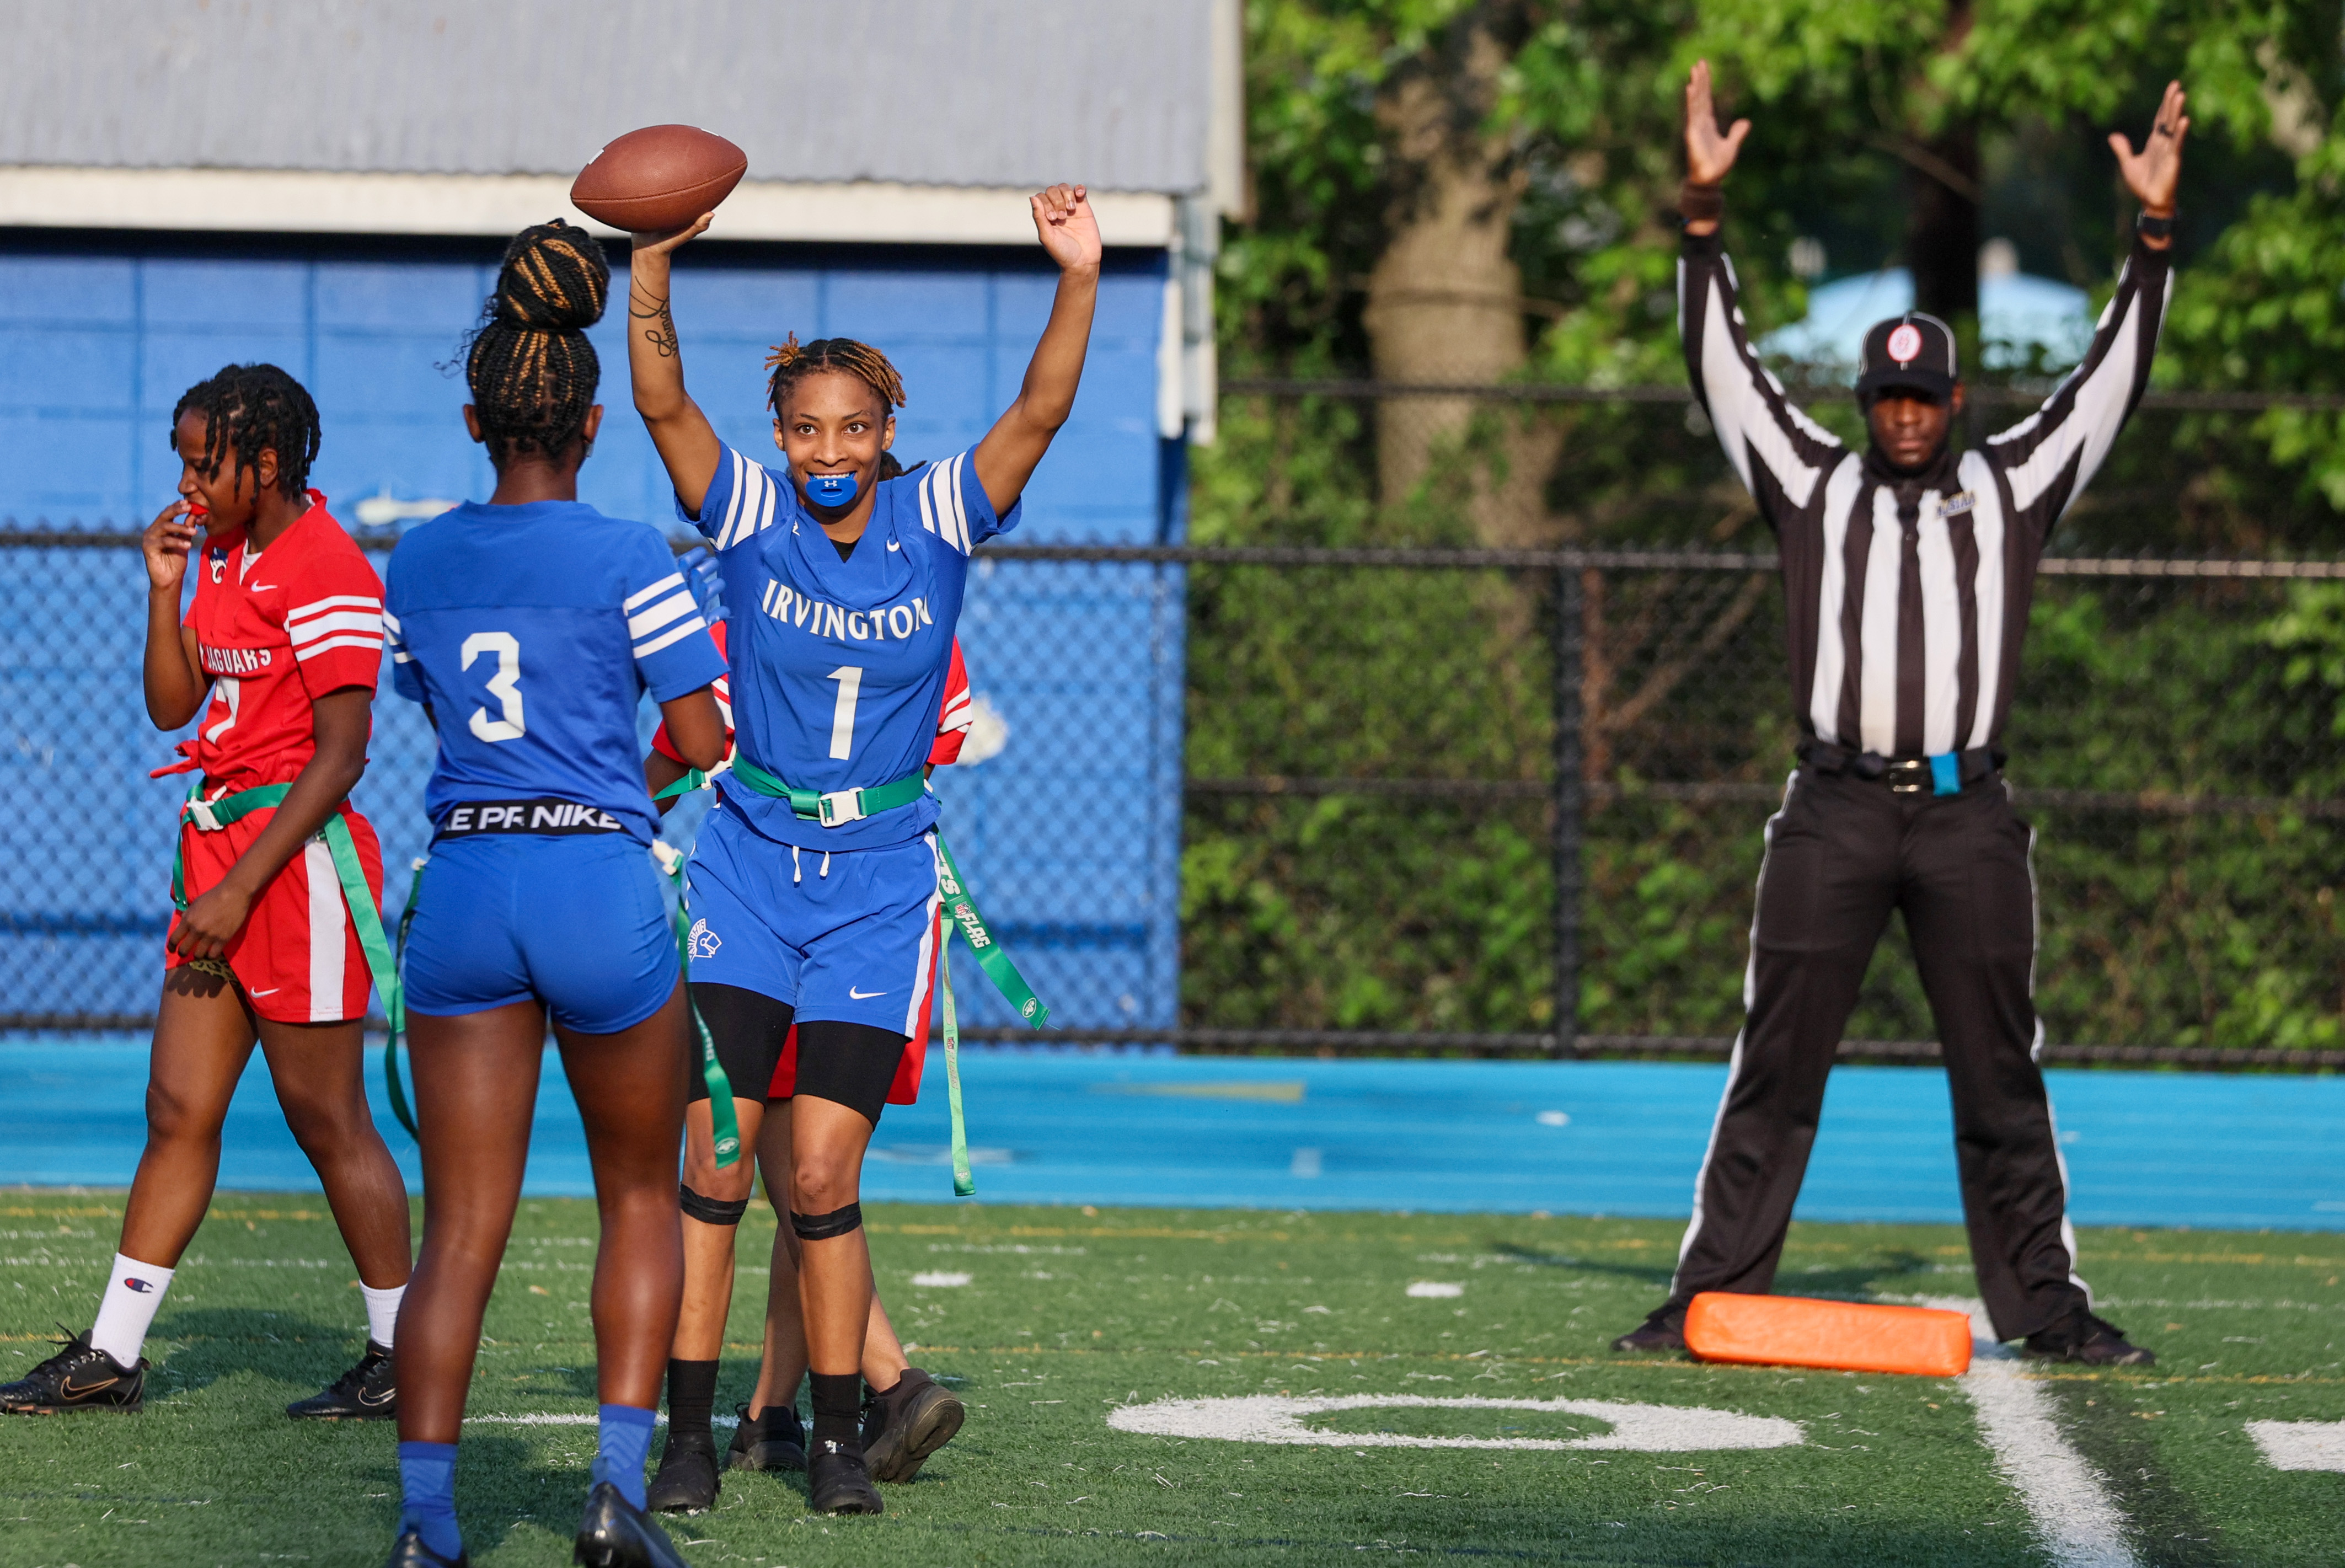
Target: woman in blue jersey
<point>814,882</point>
<point>530,628</point>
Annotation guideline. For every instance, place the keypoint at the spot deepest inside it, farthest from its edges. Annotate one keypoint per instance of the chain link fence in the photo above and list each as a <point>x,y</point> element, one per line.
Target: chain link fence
<point>1493,801</point>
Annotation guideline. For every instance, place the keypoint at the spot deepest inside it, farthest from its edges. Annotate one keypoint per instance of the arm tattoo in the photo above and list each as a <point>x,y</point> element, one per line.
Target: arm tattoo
<point>661,333</point>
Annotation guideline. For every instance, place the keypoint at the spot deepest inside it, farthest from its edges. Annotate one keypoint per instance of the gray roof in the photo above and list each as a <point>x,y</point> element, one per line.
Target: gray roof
<point>1117,93</point>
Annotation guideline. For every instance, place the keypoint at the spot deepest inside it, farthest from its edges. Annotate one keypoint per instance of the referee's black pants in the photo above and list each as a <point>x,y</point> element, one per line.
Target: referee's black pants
<point>1841,854</point>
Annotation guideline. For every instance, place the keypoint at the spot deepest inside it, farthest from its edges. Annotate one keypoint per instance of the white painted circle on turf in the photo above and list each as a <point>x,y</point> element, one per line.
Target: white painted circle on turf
<point>1278,1418</point>
<point>1434,1288</point>
<point>940,1279</point>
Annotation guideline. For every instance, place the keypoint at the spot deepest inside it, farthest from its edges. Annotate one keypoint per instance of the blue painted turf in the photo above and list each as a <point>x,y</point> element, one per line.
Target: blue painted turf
<point>1060,1126</point>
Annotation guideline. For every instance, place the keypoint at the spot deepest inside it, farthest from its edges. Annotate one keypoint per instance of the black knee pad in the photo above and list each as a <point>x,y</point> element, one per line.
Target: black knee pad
<point>823,1226</point>
<point>708,1210</point>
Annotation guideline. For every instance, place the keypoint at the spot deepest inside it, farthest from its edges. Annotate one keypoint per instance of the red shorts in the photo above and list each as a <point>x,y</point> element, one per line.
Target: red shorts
<point>906,1090</point>
<point>298,956</point>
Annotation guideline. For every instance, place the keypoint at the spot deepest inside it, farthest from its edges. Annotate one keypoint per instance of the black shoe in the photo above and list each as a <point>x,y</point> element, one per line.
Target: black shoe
<point>839,1481</point>
<point>616,1534</point>
<point>367,1392</point>
<point>1663,1330</point>
<point>773,1439</point>
<point>686,1482</point>
<point>409,1552</point>
<point>2082,1336</point>
<point>909,1422</point>
<point>81,1377</point>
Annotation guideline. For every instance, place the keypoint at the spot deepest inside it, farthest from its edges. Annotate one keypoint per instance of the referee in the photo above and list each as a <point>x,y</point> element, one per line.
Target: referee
<point>1907,571</point>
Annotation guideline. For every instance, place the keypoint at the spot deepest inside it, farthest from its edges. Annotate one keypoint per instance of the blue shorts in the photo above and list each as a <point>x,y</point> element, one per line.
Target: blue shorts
<point>573,921</point>
<point>844,937</point>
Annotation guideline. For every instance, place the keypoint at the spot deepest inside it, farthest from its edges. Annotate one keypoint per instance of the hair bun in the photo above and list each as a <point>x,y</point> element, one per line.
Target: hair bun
<point>554,278</point>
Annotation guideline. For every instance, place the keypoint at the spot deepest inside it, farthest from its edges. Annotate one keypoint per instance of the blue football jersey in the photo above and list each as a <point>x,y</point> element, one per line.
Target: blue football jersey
<point>839,667</point>
<point>534,632</point>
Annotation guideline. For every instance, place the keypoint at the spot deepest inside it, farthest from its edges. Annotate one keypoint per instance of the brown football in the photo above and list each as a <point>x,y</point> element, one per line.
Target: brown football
<point>658,178</point>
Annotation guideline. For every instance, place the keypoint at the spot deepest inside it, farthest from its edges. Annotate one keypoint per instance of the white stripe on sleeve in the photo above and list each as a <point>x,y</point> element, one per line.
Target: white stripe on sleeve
<point>312,650</point>
<point>368,622</point>
<point>334,601</point>
<point>659,614</point>
<point>674,634</point>
<point>642,595</point>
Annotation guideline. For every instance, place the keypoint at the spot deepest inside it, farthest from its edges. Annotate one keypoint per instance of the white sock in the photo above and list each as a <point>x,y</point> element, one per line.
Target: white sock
<point>382,1312</point>
<point>134,1293</point>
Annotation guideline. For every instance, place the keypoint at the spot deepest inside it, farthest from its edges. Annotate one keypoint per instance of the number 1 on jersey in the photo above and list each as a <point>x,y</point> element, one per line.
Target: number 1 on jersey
<point>842,717</point>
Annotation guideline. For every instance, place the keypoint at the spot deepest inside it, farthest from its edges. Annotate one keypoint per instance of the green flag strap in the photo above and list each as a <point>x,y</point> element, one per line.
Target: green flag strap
<point>839,806</point>
<point>964,1184</point>
<point>212,816</point>
<point>723,1123</point>
<point>962,910</point>
<point>394,1004</point>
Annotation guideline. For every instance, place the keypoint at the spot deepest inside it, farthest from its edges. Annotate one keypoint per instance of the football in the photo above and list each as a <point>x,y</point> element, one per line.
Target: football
<point>658,178</point>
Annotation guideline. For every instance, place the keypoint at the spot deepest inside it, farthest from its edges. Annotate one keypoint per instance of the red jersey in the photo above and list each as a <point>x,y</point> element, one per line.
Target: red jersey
<point>275,631</point>
<point>952,722</point>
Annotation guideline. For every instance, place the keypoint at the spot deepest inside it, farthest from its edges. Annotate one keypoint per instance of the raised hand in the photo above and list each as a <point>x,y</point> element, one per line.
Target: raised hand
<point>1064,224</point>
<point>1708,154</point>
<point>167,542</point>
<point>654,243</point>
<point>2152,173</point>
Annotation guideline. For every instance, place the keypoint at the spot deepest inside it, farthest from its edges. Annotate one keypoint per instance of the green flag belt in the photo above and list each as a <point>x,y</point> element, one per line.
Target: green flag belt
<point>725,1126</point>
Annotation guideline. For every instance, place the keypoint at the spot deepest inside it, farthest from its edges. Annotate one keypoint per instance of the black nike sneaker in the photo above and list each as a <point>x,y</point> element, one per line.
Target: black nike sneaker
<point>2082,1336</point>
<point>616,1534</point>
<point>80,1377</point>
<point>369,1391</point>
<point>686,1482</point>
<point>837,1481</point>
<point>773,1439</point>
<point>1663,1331</point>
<point>409,1552</point>
<point>909,1422</point>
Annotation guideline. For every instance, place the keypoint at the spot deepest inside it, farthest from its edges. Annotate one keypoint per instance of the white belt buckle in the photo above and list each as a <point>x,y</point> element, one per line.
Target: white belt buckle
<point>841,807</point>
<point>200,814</point>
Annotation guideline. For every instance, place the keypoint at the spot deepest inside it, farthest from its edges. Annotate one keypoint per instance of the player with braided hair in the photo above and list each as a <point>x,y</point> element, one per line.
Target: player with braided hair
<point>816,882</point>
<point>530,627</point>
<point>277,880</point>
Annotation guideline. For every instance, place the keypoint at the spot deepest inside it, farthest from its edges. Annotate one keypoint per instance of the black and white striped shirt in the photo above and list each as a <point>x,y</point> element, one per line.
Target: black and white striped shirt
<point>1908,594</point>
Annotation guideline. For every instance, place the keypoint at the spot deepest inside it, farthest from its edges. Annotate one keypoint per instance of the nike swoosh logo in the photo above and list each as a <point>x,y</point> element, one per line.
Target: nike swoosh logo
<point>260,587</point>
<point>863,995</point>
<point>271,991</point>
<point>376,1404</point>
<point>73,1390</point>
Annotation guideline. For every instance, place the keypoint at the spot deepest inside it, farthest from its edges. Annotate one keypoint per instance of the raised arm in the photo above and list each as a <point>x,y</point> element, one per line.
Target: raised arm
<point>687,443</point>
<point>175,680</point>
<point>2054,452</point>
<point>1007,456</point>
<point>1780,452</point>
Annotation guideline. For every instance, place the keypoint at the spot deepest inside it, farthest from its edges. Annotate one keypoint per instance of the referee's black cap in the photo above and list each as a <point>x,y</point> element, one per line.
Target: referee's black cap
<point>1911,353</point>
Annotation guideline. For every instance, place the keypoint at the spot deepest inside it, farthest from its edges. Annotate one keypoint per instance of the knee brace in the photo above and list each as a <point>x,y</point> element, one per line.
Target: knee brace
<point>708,1210</point>
<point>823,1226</point>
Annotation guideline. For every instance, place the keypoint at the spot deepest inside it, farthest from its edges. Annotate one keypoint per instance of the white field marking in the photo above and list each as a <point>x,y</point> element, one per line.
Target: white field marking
<point>1435,1289</point>
<point>1308,1163</point>
<point>1278,1418</point>
<point>2300,1445</point>
<point>658,1419</point>
<point>1552,1119</point>
<point>2069,1499</point>
<point>941,1278</point>
<point>937,1155</point>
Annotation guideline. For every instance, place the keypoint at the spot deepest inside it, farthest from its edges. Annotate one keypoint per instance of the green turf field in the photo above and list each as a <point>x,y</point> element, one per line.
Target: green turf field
<point>1069,1315</point>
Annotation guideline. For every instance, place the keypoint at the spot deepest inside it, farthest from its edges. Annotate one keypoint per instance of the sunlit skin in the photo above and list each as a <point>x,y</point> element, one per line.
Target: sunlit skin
<point>833,423</point>
<point>1909,428</point>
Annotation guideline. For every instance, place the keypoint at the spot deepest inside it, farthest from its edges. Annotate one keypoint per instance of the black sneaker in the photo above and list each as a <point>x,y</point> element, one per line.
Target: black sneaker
<point>2082,1336</point>
<point>409,1552</point>
<point>1663,1330</point>
<point>367,1392</point>
<point>909,1422</point>
<point>81,1377</point>
<point>686,1482</point>
<point>616,1534</point>
<point>839,1481</point>
<point>773,1439</point>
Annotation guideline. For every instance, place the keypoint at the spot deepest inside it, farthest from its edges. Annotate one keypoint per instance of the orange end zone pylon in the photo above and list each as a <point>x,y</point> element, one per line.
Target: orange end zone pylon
<point>1843,1335</point>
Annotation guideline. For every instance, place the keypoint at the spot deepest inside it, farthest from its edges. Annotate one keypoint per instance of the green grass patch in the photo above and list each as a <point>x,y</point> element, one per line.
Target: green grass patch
<point>1070,1314</point>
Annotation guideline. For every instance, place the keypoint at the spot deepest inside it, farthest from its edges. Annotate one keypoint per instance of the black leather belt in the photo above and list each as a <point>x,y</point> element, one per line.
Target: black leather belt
<point>542,815</point>
<point>1905,774</point>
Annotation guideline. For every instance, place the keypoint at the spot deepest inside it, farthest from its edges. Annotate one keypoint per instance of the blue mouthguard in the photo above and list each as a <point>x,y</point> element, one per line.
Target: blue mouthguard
<point>830,489</point>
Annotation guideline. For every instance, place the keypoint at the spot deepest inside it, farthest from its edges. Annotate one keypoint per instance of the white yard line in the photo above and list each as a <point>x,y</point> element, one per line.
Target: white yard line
<point>2069,1501</point>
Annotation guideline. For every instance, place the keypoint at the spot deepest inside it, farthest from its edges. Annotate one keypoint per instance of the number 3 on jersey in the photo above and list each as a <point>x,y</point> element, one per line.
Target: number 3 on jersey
<point>842,716</point>
<point>504,686</point>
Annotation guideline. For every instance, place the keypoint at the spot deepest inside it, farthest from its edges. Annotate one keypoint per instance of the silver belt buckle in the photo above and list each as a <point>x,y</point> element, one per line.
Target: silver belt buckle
<point>1907,777</point>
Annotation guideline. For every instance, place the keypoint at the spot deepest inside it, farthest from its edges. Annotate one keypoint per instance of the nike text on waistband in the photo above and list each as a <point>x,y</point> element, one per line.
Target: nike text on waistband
<point>531,816</point>
<point>838,807</point>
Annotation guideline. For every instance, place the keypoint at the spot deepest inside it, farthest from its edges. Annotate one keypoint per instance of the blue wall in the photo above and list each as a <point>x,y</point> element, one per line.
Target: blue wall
<point>1071,835</point>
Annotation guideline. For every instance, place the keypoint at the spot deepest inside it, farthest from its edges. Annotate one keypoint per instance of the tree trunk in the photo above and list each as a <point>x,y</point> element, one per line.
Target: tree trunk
<point>1444,297</point>
<point>1942,227</point>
